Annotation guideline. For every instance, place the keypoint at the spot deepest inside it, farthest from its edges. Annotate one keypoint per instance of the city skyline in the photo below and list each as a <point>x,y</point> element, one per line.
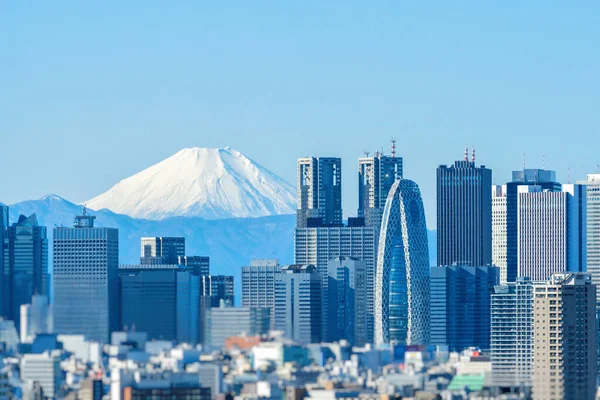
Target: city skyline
<point>482,77</point>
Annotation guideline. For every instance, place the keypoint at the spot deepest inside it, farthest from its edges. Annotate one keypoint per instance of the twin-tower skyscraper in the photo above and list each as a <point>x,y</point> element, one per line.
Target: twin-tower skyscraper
<point>395,251</point>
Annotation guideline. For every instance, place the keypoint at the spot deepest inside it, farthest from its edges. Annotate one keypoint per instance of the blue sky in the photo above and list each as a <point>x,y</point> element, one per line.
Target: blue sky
<point>92,92</point>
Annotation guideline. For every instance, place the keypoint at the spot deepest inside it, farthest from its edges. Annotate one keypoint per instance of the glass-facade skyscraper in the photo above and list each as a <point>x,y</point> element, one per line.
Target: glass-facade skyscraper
<point>464,214</point>
<point>86,286</point>
<point>402,273</point>
<point>319,192</point>
<point>4,309</point>
<point>376,175</point>
<point>162,250</point>
<point>26,257</point>
<point>592,221</point>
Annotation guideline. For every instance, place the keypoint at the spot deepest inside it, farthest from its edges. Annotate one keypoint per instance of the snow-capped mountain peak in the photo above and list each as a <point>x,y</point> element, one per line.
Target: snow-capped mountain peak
<point>202,182</point>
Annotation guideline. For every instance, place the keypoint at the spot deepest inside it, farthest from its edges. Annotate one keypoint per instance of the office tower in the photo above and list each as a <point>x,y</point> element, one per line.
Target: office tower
<point>347,300</point>
<point>138,384</point>
<point>317,246</point>
<point>460,306</point>
<point>592,221</point>
<point>44,369</point>
<point>200,264</point>
<point>225,322</point>
<point>565,349</point>
<point>545,179</point>
<point>511,334</point>
<point>86,281</point>
<point>376,175</point>
<point>219,288</point>
<point>210,376</point>
<point>4,270</point>
<point>27,261</point>
<point>319,192</point>
<point>464,220</point>
<point>298,310</point>
<point>161,300</point>
<point>499,230</point>
<point>36,318</point>
<point>8,335</point>
<point>402,273</point>
<point>551,231</point>
<point>162,250</point>
<point>258,285</point>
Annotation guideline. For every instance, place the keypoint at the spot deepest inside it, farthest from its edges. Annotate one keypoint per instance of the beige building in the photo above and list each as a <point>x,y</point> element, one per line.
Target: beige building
<point>564,351</point>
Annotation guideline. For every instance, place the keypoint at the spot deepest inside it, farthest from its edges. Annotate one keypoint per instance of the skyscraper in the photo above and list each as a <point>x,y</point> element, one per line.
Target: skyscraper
<point>565,347</point>
<point>464,219</point>
<point>499,230</point>
<point>551,234</point>
<point>162,250</point>
<point>402,273</point>
<point>545,179</point>
<point>592,221</point>
<point>27,260</point>
<point>161,300</point>
<point>460,306</point>
<point>319,192</point>
<point>36,318</point>
<point>4,271</point>
<point>258,285</point>
<point>511,334</point>
<point>200,264</point>
<point>347,300</point>
<point>376,175</point>
<point>224,322</point>
<point>86,286</point>
<point>298,310</point>
<point>219,288</point>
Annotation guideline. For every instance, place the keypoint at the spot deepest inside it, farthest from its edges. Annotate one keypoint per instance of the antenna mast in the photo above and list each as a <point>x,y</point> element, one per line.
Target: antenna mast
<point>393,148</point>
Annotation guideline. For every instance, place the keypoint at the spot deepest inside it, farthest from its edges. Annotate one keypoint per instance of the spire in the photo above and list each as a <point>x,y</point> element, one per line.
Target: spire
<point>466,153</point>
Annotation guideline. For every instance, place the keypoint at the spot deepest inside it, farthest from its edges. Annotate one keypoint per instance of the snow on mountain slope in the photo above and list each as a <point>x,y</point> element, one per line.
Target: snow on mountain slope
<point>200,182</point>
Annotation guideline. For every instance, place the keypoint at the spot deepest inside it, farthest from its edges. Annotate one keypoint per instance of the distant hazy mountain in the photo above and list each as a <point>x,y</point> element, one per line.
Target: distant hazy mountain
<point>200,182</point>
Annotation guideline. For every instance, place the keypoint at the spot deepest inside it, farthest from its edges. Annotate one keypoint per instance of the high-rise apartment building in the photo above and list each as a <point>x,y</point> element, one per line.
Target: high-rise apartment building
<point>402,273</point>
<point>499,230</point>
<point>376,175</point>
<point>592,222</point>
<point>162,250</point>
<point>26,257</point>
<point>161,300</point>
<point>564,346</point>
<point>460,299</point>
<point>511,335</point>
<point>200,264</point>
<point>319,192</point>
<point>545,179</point>
<point>298,303</point>
<point>464,214</point>
<point>258,284</point>
<point>86,282</point>
<point>347,300</point>
<point>551,231</point>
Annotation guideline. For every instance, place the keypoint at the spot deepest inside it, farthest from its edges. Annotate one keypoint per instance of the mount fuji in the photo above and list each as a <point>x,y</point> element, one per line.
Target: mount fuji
<point>200,182</point>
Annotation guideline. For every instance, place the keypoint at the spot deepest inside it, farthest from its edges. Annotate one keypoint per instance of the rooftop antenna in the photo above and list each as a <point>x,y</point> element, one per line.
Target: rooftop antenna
<point>598,168</point>
<point>393,148</point>
<point>524,161</point>
<point>367,153</point>
<point>569,175</point>
<point>473,155</point>
<point>466,153</point>
<point>543,161</point>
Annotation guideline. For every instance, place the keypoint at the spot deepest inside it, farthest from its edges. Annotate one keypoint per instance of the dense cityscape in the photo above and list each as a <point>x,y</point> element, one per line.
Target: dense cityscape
<point>507,311</point>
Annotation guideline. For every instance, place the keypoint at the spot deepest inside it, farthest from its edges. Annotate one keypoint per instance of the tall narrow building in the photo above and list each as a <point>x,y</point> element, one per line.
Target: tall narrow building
<point>464,214</point>
<point>298,303</point>
<point>376,175</point>
<point>258,285</point>
<point>319,192</point>
<point>592,220</point>
<point>402,273</point>
<point>551,231</point>
<point>27,259</point>
<point>511,335</point>
<point>546,180</point>
<point>499,230</point>
<point>86,282</point>
<point>4,271</point>
<point>565,347</point>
